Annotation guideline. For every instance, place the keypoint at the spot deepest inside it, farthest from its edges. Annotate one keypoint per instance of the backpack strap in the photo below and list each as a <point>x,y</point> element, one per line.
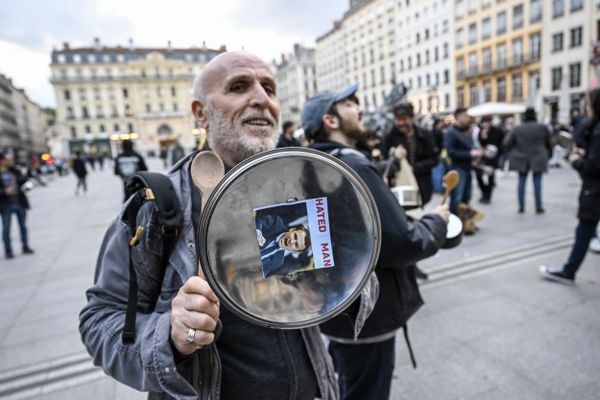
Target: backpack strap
<point>157,188</point>
<point>410,350</point>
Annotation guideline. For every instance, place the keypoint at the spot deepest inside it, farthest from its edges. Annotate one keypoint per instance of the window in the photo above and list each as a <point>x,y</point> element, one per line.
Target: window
<point>125,93</point>
<point>460,38</point>
<point>501,23</point>
<point>459,10</point>
<point>67,95</point>
<point>472,6</point>
<point>382,73</point>
<point>558,8</point>
<point>487,91</point>
<point>173,91</point>
<point>460,97</point>
<point>84,112</point>
<point>473,62</point>
<point>517,86</point>
<point>73,132</point>
<point>446,76</point>
<point>102,128</point>
<point>576,34</point>
<point>501,55</point>
<point>535,47</point>
<point>70,114</point>
<point>501,87</point>
<point>517,16</point>
<point>535,11</point>
<point>576,5</point>
<point>435,54</point>
<point>472,33</point>
<point>473,94</point>
<point>517,51</point>
<point>574,75</point>
<point>175,107</point>
<point>460,65</point>
<point>418,37</point>
<point>148,108</point>
<point>446,50</point>
<point>446,100</point>
<point>486,28</point>
<point>130,128</point>
<point>81,94</point>
<point>557,42</point>
<point>116,127</point>
<point>556,78</point>
<point>418,60</point>
<point>486,58</point>
<point>426,57</point>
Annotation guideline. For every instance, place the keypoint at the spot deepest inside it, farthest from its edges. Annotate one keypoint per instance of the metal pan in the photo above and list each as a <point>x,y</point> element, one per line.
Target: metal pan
<point>231,256</point>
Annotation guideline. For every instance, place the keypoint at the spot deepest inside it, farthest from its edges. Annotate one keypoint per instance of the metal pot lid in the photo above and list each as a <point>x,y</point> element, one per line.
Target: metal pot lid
<point>289,237</point>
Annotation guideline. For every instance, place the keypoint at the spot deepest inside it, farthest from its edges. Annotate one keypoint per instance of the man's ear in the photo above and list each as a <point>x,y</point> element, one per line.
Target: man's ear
<point>331,122</point>
<point>199,115</point>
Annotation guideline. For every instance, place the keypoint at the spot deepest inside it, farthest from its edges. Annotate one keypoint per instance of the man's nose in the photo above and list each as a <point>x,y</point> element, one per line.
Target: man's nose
<point>259,96</point>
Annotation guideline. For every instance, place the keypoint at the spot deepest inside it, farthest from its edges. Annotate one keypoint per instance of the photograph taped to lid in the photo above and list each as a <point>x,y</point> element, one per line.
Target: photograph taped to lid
<point>294,237</point>
<point>301,186</point>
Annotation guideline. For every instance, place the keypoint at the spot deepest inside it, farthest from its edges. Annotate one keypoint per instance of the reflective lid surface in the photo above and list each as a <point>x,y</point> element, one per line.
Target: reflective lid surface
<point>249,228</point>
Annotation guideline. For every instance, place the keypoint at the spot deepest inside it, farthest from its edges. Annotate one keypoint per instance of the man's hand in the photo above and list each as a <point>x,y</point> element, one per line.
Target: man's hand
<point>576,154</point>
<point>400,152</point>
<point>443,211</point>
<point>195,307</point>
<point>475,154</point>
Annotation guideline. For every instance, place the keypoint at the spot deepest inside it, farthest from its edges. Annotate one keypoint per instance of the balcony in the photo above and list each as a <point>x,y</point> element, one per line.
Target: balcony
<point>501,65</point>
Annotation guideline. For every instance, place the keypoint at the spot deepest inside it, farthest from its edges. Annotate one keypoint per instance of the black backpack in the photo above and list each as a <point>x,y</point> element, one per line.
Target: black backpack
<point>157,188</point>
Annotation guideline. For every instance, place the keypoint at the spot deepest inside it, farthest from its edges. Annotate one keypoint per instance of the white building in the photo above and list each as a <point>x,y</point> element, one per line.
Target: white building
<point>330,60</point>
<point>566,51</point>
<point>425,53</point>
<point>296,81</point>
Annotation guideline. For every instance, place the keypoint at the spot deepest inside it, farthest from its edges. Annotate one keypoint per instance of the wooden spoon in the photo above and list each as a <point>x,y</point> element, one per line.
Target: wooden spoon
<point>451,180</point>
<point>207,171</point>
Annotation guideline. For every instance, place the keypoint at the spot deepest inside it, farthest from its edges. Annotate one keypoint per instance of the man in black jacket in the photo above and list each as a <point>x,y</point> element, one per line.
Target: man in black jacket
<point>414,143</point>
<point>12,201</point>
<point>332,121</point>
<point>128,163</point>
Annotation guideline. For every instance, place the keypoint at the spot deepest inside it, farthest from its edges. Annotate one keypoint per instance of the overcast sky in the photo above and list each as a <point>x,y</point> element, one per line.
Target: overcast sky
<point>30,29</point>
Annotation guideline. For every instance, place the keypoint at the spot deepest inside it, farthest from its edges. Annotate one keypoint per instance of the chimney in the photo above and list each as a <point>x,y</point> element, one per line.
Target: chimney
<point>296,48</point>
<point>204,44</point>
<point>130,44</point>
<point>282,57</point>
<point>97,43</point>
<point>65,45</point>
<point>169,46</point>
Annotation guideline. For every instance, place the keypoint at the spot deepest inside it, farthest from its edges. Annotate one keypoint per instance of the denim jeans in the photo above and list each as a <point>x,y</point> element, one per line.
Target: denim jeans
<point>462,192</point>
<point>364,370</point>
<point>537,188</point>
<point>585,231</point>
<point>19,210</point>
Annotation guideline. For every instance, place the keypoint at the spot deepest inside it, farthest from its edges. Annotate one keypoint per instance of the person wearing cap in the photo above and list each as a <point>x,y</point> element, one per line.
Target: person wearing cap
<point>332,122</point>
<point>287,139</point>
<point>407,140</point>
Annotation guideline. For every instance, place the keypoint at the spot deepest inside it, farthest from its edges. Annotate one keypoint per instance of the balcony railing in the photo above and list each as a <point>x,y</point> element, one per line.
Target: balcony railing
<point>498,66</point>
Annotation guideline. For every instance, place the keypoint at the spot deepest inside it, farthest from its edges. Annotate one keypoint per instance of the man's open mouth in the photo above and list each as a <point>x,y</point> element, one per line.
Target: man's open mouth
<point>258,122</point>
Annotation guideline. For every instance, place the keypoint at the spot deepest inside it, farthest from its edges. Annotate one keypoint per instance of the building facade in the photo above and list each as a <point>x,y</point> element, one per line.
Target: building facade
<point>105,93</point>
<point>424,51</point>
<point>566,49</point>
<point>330,60</point>
<point>296,79</point>
<point>498,51</point>
<point>594,38</point>
<point>23,124</point>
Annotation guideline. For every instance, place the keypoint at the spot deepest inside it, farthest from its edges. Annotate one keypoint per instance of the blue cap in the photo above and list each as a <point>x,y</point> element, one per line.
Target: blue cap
<point>320,104</point>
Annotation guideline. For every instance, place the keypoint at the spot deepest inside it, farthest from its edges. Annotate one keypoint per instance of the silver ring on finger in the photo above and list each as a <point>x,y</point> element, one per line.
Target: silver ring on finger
<point>191,336</point>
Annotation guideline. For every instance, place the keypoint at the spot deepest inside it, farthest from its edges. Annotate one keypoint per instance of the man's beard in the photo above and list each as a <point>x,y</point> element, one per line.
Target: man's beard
<point>224,137</point>
<point>354,131</point>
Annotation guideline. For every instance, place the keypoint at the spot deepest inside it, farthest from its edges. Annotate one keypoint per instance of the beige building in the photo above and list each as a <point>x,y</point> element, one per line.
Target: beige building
<point>594,21</point>
<point>296,81</point>
<point>105,94</point>
<point>330,60</point>
<point>497,51</point>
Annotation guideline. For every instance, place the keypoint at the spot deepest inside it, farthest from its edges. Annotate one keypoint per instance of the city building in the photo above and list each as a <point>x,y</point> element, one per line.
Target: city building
<point>594,38</point>
<point>105,93</point>
<point>424,51</point>
<point>23,124</point>
<point>369,43</point>
<point>498,51</point>
<point>296,81</point>
<point>330,60</point>
<point>566,51</point>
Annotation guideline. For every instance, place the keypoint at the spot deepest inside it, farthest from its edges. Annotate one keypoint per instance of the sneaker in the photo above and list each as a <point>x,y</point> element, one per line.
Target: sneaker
<point>27,250</point>
<point>521,210</point>
<point>540,211</point>
<point>9,256</point>
<point>595,245</point>
<point>557,275</point>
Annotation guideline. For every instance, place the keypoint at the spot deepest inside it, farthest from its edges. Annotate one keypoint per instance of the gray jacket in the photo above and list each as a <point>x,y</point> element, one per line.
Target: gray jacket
<point>528,147</point>
<point>149,363</point>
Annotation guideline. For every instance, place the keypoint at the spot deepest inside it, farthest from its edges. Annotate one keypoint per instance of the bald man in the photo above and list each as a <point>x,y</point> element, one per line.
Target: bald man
<point>178,351</point>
